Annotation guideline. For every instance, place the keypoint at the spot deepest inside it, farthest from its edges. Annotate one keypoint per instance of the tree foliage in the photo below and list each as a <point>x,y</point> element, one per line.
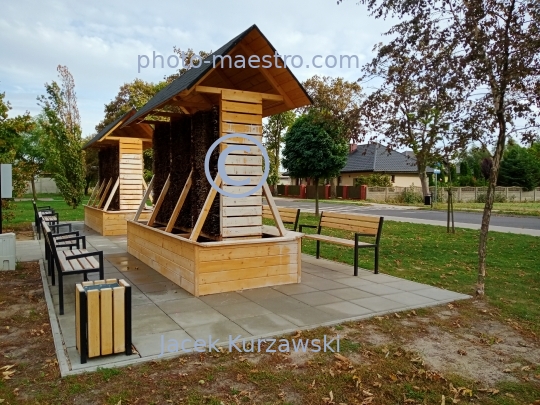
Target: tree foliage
<point>313,149</point>
<point>61,124</point>
<point>31,153</point>
<point>374,180</point>
<point>273,132</point>
<point>519,168</point>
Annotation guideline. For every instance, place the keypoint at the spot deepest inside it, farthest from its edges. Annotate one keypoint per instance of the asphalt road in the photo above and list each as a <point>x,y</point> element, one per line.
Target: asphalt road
<point>428,215</point>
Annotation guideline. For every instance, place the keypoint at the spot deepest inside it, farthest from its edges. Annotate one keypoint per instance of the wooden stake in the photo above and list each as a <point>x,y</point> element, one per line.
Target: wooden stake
<point>97,196</point>
<point>205,210</point>
<point>179,204</point>
<point>274,209</point>
<point>116,184</point>
<point>104,193</point>
<point>159,201</point>
<point>96,188</point>
<point>143,201</point>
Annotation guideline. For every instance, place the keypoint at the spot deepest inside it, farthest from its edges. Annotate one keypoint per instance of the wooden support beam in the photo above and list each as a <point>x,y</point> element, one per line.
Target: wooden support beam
<point>116,184</point>
<point>205,210</point>
<point>92,196</point>
<point>104,193</point>
<point>269,78</point>
<point>217,90</point>
<point>274,209</point>
<point>143,201</point>
<point>179,204</point>
<point>148,187</point>
<point>166,114</point>
<point>159,201</point>
<point>181,103</point>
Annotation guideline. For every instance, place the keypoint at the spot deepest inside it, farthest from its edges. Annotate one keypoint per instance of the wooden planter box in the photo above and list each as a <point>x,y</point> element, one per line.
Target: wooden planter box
<point>110,223</point>
<point>203,268</point>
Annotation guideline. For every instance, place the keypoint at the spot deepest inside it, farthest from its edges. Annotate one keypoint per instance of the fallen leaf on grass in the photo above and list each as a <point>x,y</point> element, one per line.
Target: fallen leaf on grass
<point>298,333</point>
<point>341,358</point>
<point>462,352</point>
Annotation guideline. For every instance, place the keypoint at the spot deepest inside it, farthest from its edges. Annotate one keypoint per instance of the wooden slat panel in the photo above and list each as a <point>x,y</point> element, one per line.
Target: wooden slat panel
<point>243,170</point>
<point>241,107</point>
<point>241,189</point>
<point>240,202</point>
<point>241,231</point>
<point>106,321</point>
<point>336,222</point>
<point>370,231</point>
<point>241,118</point>
<point>244,160</point>
<point>255,262</point>
<point>94,341</point>
<point>237,95</point>
<point>229,127</point>
<point>221,254</point>
<point>241,211</point>
<point>229,222</point>
<point>238,285</point>
<point>119,321</point>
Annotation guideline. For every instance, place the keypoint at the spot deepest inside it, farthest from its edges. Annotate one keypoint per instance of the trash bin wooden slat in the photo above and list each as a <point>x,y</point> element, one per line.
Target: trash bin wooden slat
<point>103,318</point>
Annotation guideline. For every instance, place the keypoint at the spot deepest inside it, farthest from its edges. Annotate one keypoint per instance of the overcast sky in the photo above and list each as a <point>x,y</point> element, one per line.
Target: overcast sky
<point>100,41</point>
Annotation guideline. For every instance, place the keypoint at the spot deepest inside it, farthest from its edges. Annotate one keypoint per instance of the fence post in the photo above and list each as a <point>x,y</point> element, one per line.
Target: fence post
<point>459,193</point>
<point>303,191</point>
<point>385,194</point>
<point>363,192</point>
<point>520,193</point>
<point>326,192</point>
<point>475,194</point>
<point>286,191</point>
<point>345,192</point>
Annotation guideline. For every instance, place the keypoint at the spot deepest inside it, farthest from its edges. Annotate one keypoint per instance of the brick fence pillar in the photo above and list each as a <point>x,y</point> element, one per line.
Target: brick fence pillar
<point>345,192</point>
<point>303,191</point>
<point>327,192</point>
<point>363,192</point>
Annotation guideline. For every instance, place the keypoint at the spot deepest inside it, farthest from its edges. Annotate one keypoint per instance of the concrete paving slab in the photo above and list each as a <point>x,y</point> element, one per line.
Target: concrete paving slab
<point>242,310</point>
<point>344,310</point>
<point>410,299</point>
<point>217,330</point>
<point>379,289</point>
<point>405,285</point>
<point>316,298</point>
<point>350,293</point>
<point>218,300</point>
<point>308,316</point>
<point>187,319</point>
<point>378,304</point>
<point>156,343</point>
<point>291,289</point>
<point>265,324</point>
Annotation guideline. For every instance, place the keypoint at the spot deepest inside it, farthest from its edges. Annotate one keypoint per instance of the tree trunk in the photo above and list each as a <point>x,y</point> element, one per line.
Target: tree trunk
<point>317,197</point>
<point>482,246</point>
<point>33,183</point>
<point>333,187</point>
<point>424,181</point>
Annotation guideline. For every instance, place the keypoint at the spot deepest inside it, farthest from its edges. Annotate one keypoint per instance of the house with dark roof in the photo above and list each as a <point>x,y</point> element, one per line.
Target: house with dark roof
<point>367,159</point>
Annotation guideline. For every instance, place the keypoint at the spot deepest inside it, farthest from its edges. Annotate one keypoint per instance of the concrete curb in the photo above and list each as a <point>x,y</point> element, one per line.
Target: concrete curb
<point>63,362</point>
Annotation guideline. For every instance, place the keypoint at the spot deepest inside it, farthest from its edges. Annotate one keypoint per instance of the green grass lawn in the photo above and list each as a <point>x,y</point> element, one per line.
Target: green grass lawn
<point>24,212</point>
<point>427,254</point>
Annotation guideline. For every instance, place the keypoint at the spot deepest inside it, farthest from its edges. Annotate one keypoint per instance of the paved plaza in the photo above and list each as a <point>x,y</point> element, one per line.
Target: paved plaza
<point>328,294</point>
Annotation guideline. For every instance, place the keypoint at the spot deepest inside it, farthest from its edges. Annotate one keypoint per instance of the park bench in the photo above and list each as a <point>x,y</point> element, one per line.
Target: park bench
<point>73,261</point>
<point>46,214</point>
<point>288,216</point>
<point>361,225</point>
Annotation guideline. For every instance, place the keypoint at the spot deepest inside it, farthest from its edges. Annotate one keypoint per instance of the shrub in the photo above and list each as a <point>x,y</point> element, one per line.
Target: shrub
<point>374,180</point>
<point>499,198</point>
<point>410,196</point>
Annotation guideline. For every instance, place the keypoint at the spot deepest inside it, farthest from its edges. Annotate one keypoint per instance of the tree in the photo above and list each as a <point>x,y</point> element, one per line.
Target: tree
<point>131,95</point>
<point>414,108</point>
<point>313,150</point>
<point>493,50</point>
<point>31,153</point>
<point>61,124</point>
<point>91,163</point>
<point>273,132</point>
<point>11,130</point>
<point>339,101</point>
<point>519,168</point>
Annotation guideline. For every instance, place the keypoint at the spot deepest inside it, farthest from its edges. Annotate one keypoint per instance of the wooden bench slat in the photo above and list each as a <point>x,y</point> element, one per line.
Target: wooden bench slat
<point>64,263</point>
<point>351,221</point>
<point>340,241</point>
<point>365,218</point>
<point>351,228</point>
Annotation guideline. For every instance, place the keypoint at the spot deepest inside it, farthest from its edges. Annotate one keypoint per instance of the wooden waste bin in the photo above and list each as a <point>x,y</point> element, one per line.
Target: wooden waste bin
<point>103,318</point>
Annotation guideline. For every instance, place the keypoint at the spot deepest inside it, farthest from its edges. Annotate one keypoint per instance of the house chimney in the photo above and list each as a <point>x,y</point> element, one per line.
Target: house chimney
<point>352,147</point>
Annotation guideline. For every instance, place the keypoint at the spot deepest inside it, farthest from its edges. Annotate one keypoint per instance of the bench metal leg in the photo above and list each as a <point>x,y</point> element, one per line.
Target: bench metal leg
<point>377,259</point>
<point>83,314</point>
<point>356,255</point>
<point>61,292</point>
<point>318,249</point>
<point>53,268</point>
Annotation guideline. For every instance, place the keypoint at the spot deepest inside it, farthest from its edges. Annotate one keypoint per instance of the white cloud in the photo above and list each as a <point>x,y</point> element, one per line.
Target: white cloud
<point>100,41</point>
